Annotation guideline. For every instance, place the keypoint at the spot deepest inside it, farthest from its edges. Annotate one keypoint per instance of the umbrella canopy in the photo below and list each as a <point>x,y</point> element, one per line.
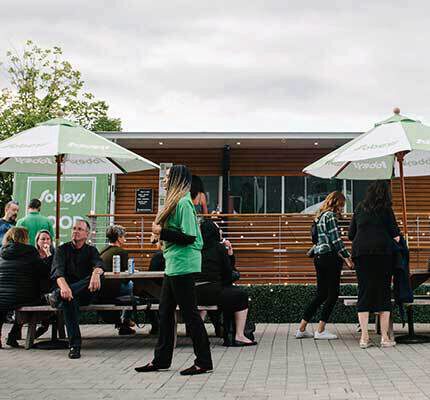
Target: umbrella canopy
<point>82,151</point>
<point>58,147</point>
<point>373,154</point>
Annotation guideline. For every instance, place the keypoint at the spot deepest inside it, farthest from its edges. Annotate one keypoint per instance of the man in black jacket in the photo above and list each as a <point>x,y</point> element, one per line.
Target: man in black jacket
<point>77,268</point>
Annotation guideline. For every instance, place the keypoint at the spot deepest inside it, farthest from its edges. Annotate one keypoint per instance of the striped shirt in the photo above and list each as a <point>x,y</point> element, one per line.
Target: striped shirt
<point>329,239</point>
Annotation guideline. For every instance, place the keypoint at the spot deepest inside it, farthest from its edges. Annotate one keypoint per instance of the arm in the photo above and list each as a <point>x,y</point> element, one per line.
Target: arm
<point>98,270</point>
<point>170,235</point>
<point>334,236</point>
<point>203,203</point>
<point>58,273</point>
<point>392,226</point>
<point>352,228</point>
<point>226,267</point>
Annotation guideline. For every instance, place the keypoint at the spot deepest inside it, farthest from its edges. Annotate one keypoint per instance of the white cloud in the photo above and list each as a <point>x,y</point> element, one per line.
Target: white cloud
<point>237,65</point>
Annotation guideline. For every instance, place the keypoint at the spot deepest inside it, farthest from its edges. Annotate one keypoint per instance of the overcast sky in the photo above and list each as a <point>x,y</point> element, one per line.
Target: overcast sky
<point>238,65</point>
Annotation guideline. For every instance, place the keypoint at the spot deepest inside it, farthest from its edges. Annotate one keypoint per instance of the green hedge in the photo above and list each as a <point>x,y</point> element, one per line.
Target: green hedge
<point>286,303</point>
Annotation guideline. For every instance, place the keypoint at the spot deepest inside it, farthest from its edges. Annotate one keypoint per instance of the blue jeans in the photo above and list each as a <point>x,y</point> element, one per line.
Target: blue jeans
<point>81,297</point>
<point>125,289</point>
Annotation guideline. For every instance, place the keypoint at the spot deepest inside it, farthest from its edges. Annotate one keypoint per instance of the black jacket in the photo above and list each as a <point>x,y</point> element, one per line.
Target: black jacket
<point>217,265</point>
<point>21,271</point>
<point>373,232</point>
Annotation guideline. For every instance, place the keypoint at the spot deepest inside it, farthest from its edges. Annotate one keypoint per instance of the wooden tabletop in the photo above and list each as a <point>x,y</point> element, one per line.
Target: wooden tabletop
<point>136,275</point>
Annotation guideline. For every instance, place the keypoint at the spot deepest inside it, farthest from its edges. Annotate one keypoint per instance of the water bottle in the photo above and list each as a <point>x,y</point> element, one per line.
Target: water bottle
<point>116,264</point>
<point>131,265</point>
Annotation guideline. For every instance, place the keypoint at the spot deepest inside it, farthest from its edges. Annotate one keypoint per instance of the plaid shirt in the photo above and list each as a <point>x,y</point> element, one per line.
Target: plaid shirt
<point>329,239</point>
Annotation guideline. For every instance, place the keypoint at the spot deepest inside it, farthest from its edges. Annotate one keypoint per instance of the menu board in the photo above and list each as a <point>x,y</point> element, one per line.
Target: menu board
<point>144,200</point>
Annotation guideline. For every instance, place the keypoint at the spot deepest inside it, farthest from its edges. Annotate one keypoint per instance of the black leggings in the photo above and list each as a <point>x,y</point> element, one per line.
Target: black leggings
<point>179,290</point>
<point>328,267</point>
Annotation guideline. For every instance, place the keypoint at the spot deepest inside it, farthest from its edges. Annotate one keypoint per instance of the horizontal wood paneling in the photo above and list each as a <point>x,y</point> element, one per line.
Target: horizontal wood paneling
<point>417,194</point>
<point>273,162</point>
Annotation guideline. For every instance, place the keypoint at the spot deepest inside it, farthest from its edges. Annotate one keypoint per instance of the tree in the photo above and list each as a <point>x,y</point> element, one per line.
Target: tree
<point>41,83</point>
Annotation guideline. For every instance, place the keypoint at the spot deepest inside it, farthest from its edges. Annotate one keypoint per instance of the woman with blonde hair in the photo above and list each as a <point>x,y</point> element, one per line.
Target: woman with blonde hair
<point>21,270</point>
<point>329,255</point>
<point>177,227</point>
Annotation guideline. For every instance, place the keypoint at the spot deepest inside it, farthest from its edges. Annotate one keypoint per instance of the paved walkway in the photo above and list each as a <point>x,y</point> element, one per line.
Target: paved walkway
<point>280,367</point>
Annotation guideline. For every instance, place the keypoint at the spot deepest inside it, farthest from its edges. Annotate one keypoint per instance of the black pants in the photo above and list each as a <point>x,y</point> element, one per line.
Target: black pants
<point>328,268</point>
<point>179,290</point>
<point>81,296</point>
<point>16,328</point>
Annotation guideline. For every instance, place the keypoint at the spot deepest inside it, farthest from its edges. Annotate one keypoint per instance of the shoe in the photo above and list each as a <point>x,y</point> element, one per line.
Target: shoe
<point>195,371</point>
<point>41,331</point>
<point>53,299</point>
<point>74,353</point>
<point>126,330</point>
<point>12,342</point>
<point>239,343</point>
<point>365,344</point>
<point>325,335</point>
<point>147,368</point>
<point>388,343</point>
<point>303,335</point>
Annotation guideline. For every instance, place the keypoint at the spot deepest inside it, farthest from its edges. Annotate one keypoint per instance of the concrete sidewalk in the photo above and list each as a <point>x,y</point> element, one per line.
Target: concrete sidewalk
<point>280,367</point>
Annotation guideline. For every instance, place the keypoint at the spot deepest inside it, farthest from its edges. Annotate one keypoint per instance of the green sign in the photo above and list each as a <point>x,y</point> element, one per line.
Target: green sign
<point>80,196</point>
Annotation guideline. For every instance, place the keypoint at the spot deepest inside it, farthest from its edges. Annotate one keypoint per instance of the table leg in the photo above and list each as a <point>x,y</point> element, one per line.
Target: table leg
<point>411,337</point>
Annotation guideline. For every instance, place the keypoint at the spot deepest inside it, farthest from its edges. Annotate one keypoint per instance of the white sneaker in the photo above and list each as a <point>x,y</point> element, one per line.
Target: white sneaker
<point>303,335</point>
<point>325,335</point>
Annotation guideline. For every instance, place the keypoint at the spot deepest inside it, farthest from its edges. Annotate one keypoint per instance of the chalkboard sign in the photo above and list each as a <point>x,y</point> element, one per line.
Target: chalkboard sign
<point>144,200</point>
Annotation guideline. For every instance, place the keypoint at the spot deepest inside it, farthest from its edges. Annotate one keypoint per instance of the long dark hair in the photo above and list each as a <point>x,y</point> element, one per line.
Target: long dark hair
<point>210,233</point>
<point>378,197</point>
<point>196,186</point>
<point>178,186</point>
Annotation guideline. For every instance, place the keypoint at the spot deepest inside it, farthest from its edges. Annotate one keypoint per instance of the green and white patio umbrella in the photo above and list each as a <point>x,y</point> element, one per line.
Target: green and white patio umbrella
<point>58,147</point>
<point>396,147</point>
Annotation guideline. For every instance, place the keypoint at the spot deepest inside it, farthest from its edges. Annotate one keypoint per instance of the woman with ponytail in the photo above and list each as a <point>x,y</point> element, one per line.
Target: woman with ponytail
<point>176,226</point>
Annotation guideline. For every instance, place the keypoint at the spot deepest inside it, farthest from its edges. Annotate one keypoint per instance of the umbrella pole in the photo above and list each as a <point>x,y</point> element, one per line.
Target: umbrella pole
<point>59,160</point>
<point>400,156</point>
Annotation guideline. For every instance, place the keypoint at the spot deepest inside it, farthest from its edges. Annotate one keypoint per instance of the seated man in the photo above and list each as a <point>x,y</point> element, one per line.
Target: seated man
<point>76,268</point>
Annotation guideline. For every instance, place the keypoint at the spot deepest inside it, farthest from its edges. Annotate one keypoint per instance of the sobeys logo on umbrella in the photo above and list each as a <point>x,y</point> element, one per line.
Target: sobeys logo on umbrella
<point>370,165</point>
<point>366,147</point>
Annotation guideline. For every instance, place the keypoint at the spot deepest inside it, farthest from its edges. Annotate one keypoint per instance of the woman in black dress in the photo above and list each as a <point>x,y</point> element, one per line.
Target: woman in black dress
<point>373,230</point>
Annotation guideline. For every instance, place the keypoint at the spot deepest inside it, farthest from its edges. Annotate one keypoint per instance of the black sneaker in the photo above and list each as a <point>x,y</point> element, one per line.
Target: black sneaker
<point>194,370</point>
<point>126,330</point>
<point>75,352</point>
<point>53,298</point>
<point>12,342</point>
<point>147,368</point>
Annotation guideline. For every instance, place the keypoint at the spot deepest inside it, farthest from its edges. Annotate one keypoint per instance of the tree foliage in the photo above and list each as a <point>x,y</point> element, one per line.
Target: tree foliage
<point>41,83</point>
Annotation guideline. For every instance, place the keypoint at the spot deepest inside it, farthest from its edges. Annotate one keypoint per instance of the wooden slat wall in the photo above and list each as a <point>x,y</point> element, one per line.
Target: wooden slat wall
<point>417,194</point>
<point>273,162</point>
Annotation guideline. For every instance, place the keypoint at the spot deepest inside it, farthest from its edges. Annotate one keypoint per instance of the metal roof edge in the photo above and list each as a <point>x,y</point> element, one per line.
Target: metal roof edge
<point>229,135</point>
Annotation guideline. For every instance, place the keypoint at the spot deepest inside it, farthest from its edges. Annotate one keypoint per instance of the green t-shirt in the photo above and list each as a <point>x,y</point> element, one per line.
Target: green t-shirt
<point>34,222</point>
<point>180,259</point>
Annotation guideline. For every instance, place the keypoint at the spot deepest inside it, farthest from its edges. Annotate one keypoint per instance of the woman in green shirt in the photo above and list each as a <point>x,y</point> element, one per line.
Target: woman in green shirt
<point>176,226</point>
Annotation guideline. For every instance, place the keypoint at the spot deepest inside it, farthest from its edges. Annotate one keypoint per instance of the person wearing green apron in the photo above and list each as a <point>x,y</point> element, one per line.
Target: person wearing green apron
<point>177,227</point>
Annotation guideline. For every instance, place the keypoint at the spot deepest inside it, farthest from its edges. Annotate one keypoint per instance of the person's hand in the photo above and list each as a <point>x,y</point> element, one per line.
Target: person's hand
<point>229,246</point>
<point>349,263</point>
<point>66,293</point>
<point>156,229</point>
<point>47,249</point>
<point>397,239</point>
<point>95,283</point>
<point>154,239</point>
